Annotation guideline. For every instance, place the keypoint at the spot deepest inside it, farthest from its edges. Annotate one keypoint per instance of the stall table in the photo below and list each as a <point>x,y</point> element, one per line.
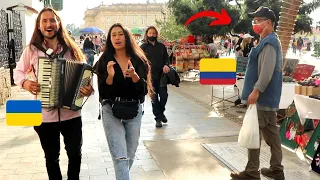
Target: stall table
<point>286,95</point>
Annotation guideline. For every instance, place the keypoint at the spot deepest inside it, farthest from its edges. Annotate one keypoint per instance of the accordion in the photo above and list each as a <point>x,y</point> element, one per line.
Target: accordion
<point>60,81</point>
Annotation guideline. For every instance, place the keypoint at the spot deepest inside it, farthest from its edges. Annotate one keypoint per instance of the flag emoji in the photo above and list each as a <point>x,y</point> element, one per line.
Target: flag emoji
<point>220,71</point>
<point>23,113</point>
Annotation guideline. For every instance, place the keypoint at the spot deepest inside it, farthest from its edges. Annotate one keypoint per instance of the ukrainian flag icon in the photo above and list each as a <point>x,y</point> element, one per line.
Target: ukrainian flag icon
<point>23,113</point>
<point>220,71</point>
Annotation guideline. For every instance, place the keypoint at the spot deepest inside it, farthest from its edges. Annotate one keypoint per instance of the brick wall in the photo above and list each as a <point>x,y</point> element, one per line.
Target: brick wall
<point>5,85</point>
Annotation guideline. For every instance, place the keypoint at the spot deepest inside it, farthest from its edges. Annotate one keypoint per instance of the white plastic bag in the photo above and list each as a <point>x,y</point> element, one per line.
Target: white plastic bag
<point>249,136</point>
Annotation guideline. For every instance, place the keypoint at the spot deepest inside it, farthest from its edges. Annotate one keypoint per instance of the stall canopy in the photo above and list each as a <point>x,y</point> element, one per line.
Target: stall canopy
<point>91,30</point>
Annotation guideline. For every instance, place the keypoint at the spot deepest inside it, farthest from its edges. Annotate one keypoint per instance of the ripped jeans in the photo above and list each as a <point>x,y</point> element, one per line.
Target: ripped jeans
<point>123,139</point>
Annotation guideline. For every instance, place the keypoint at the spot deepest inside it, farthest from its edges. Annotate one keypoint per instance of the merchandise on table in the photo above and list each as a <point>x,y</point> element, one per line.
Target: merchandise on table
<point>187,57</point>
<point>315,97</point>
<point>309,86</point>
<point>242,63</point>
<point>288,79</point>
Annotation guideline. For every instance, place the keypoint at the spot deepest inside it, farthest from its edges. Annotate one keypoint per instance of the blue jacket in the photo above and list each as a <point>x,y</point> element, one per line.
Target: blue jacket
<point>272,94</point>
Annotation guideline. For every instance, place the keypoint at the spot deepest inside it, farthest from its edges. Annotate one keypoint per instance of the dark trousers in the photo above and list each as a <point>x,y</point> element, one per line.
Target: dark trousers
<point>270,132</point>
<point>159,99</point>
<point>49,134</point>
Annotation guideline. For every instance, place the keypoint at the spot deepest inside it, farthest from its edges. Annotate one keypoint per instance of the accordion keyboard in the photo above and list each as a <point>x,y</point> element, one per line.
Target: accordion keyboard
<point>49,73</point>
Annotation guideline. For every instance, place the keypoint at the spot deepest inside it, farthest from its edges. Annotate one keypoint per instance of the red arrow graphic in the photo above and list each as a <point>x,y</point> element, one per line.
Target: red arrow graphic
<point>220,19</point>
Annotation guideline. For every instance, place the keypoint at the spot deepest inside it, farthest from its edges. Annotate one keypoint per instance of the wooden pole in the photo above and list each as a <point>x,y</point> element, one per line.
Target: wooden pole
<point>287,20</point>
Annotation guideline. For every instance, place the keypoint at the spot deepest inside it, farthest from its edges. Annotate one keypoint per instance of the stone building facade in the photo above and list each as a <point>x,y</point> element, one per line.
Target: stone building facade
<point>131,15</point>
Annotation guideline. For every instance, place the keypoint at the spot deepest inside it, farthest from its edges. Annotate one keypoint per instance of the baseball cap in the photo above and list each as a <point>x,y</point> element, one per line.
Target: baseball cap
<point>247,36</point>
<point>263,12</point>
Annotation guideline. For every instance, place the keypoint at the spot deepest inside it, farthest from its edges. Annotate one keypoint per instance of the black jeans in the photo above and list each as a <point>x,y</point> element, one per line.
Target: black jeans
<point>159,100</point>
<point>49,134</point>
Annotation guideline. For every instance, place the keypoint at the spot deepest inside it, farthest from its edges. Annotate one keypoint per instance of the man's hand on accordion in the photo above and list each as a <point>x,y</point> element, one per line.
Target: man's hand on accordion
<point>86,90</point>
<point>31,86</point>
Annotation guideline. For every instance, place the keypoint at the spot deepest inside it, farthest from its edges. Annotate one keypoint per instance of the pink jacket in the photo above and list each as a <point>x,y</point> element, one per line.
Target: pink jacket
<point>27,59</point>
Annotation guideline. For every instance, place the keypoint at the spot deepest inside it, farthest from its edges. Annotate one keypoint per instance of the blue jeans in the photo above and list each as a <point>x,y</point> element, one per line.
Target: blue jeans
<point>123,140</point>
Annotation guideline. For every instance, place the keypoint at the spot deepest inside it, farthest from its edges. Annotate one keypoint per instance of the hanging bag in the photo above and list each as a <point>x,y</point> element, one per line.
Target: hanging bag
<point>249,136</point>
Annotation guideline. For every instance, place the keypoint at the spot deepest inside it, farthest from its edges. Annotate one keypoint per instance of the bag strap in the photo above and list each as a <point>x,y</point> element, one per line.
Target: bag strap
<point>49,51</point>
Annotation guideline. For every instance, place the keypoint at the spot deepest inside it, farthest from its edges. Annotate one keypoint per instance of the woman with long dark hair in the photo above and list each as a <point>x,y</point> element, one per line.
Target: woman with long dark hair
<point>123,81</point>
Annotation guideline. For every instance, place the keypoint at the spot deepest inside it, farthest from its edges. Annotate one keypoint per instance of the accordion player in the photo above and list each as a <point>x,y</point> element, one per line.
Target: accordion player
<point>60,82</point>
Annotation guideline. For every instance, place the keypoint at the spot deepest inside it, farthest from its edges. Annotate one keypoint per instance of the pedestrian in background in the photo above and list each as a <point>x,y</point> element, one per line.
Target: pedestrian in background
<point>88,49</point>
<point>157,54</point>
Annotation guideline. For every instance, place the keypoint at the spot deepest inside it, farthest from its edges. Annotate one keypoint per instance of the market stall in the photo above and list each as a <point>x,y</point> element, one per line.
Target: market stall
<point>300,129</point>
<point>186,58</point>
<point>286,95</point>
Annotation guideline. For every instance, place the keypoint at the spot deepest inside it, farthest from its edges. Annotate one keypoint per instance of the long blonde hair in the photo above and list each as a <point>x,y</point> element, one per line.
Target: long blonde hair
<point>245,42</point>
<point>63,36</point>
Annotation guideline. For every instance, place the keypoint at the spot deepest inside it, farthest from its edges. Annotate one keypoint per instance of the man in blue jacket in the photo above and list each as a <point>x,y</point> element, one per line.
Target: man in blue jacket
<point>263,86</point>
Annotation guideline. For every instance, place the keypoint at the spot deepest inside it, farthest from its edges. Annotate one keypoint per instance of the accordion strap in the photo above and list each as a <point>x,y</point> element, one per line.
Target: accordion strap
<point>49,53</point>
<point>59,115</point>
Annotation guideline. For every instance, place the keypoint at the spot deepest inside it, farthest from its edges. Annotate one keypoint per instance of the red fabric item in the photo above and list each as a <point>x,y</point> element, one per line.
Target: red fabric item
<point>302,71</point>
<point>191,39</point>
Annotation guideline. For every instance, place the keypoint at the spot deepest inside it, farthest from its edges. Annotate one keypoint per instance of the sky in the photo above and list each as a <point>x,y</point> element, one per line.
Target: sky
<point>70,14</point>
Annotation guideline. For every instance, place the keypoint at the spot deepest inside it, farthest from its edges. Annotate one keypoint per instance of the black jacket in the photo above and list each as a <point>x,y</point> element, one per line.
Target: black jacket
<point>171,77</point>
<point>158,57</point>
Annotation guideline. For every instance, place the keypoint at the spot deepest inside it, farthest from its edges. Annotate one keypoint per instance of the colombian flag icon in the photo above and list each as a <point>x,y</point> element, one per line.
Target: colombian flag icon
<point>220,71</point>
<point>23,113</point>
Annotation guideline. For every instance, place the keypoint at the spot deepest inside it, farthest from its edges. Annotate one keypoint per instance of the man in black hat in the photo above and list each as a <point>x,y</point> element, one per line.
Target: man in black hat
<point>262,87</point>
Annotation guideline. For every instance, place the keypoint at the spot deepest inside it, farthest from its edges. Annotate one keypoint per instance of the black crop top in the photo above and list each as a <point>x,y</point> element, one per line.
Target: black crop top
<point>121,87</point>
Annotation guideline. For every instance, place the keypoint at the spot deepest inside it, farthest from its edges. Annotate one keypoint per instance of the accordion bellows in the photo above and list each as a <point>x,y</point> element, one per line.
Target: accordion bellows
<point>60,82</point>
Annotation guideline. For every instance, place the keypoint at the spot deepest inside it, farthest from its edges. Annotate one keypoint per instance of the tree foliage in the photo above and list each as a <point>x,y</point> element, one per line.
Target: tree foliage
<point>183,9</point>
<point>75,31</point>
<point>171,30</point>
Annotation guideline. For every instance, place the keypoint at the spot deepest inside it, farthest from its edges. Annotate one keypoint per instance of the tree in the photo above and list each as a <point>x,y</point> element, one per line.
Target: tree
<point>75,31</point>
<point>303,20</point>
<point>183,9</point>
<point>71,27</point>
<point>171,30</point>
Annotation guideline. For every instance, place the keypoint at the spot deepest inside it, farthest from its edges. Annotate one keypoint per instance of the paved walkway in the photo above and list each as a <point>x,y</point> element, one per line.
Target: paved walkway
<point>21,156</point>
<point>173,152</point>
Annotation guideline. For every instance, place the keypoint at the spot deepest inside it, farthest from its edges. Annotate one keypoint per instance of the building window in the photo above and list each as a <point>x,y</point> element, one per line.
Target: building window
<point>134,20</point>
<point>108,20</point>
<point>143,20</point>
